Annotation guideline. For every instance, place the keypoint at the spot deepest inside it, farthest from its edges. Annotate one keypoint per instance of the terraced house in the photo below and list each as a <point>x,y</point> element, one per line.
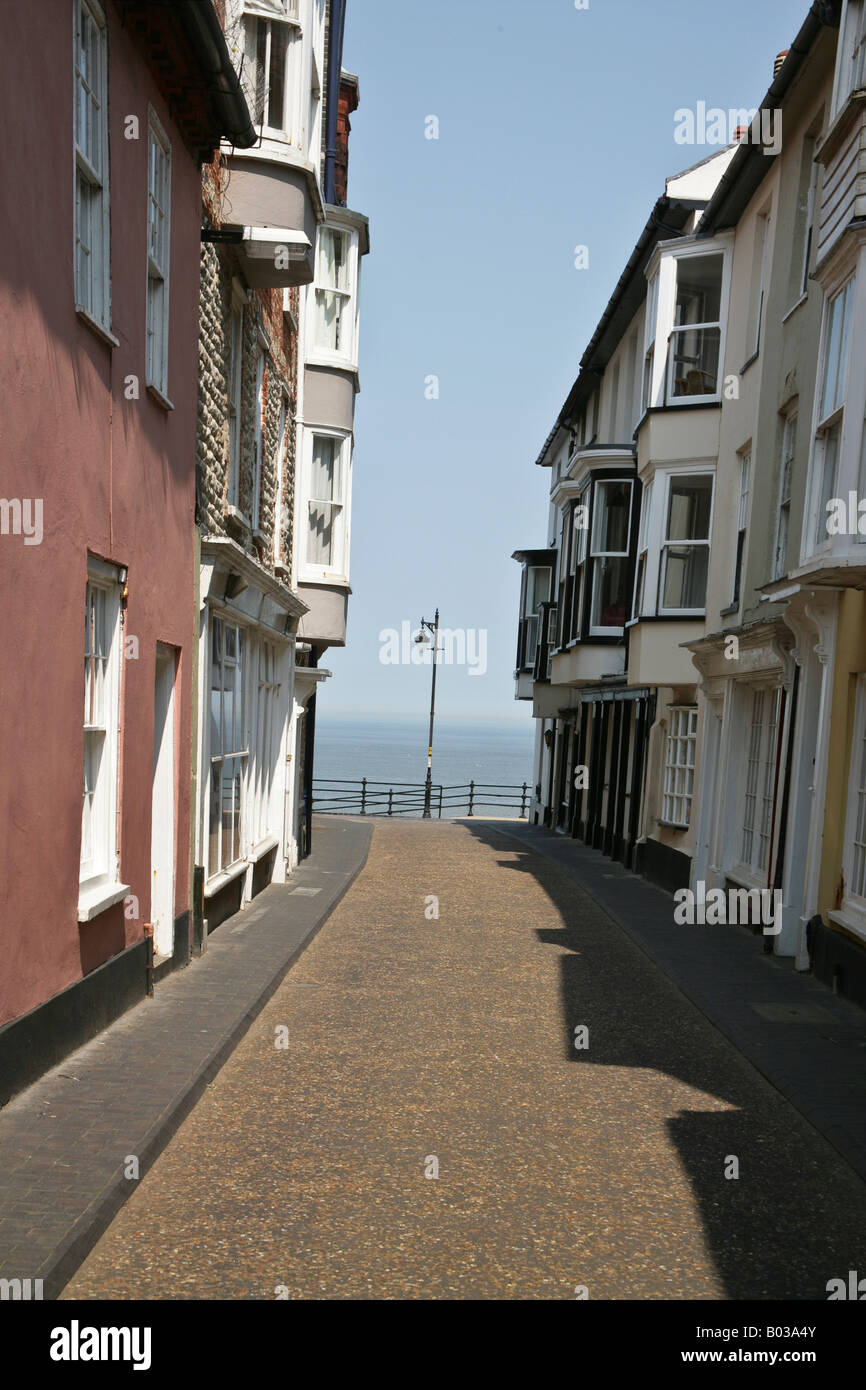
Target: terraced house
<point>692,634</point>
<point>99,362</point>
<point>279,361</point>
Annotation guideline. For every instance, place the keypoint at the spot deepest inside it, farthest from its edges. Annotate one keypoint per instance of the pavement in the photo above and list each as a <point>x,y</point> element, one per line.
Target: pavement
<point>67,1141</point>
<point>809,1042</point>
<point>480,1082</point>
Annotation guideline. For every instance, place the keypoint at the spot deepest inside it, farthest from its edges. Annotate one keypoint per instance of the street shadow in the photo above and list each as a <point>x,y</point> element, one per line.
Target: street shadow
<point>795,1215</point>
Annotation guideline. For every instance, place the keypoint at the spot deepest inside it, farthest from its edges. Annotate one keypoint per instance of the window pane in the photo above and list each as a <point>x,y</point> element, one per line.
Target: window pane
<point>324,483</point>
<point>610,524</point>
<point>699,289</point>
<point>321,547</point>
<point>829,458</point>
<point>689,508</point>
<point>685,576</point>
<point>609,591</point>
<point>213,860</point>
<point>277,77</point>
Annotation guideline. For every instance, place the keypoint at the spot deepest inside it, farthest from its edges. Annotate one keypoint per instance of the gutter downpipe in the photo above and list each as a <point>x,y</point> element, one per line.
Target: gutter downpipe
<point>335,65</point>
<point>203,29</point>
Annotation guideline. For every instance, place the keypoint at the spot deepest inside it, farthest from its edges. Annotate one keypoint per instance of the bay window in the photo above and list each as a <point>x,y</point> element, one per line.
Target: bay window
<point>91,215</point>
<point>851,53</point>
<point>102,643</point>
<point>611,527</point>
<point>643,547</point>
<point>327,536</point>
<point>334,316</point>
<point>745,458</point>
<point>652,300</point>
<point>695,338</point>
<point>685,545</point>
<point>830,410</point>
<point>272,46</point>
<point>783,510</point>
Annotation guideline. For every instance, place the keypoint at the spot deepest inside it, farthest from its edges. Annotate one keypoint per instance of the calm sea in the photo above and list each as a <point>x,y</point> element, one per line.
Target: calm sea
<point>392,750</point>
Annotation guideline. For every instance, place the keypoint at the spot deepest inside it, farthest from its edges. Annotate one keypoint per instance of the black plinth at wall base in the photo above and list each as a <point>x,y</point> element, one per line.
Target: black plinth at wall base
<point>32,1044</point>
<point>837,961</point>
<point>669,868</point>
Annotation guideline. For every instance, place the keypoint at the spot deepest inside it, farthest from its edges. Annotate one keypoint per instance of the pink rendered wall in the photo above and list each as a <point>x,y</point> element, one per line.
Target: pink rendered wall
<point>117,478</point>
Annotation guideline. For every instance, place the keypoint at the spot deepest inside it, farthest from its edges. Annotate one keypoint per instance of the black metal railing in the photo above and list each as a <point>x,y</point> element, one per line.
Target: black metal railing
<point>332,796</point>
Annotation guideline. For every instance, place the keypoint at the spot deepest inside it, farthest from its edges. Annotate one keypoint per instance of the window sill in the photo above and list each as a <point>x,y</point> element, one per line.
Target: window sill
<point>324,577</point>
<point>317,357</point>
<point>99,898</point>
<point>744,879</point>
<point>795,306</point>
<point>224,878</point>
<point>262,848</point>
<point>234,516</point>
<point>671,824</point>
<point>850,920</point>
<point>154,391</point>
<point>99,329</point>
<point>731,608</point>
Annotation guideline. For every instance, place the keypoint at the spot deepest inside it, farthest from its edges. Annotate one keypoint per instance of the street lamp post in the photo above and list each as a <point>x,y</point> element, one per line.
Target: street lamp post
<point>422,637</point>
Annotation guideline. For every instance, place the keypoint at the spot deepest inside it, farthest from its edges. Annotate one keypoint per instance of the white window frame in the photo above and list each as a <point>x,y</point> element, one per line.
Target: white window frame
<point>259,433</point>
<point>235,394</point>
<point>284,13</point>
<point>640,570</point>
<point>650,331</point>
<point>782,538</point>
<point>279,505</point>
<point>666,272</point>
<point>850,72</point>
<point>238,755</point>
<point>92,299</point>
<point>347,354</point>
<point>99,872</point>
<point>744,457</point>
<point>159,258</point>
<point>756,799</point>
<point>339,569</point>
<point>763,223</point>
<point>672,476</point>
<point>816,540</point>
<point>681,736</point>
<point>264,741</point>
<point>596,553</point>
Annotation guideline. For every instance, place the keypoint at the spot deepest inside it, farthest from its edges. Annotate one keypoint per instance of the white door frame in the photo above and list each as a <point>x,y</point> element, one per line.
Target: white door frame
<point>163,804</point>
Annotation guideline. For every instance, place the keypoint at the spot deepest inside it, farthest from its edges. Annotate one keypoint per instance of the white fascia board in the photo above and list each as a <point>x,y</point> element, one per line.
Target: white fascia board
<point>260,243</point>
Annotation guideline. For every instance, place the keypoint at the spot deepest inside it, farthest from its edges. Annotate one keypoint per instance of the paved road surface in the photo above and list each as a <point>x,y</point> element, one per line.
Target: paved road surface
<point>304,1168</point>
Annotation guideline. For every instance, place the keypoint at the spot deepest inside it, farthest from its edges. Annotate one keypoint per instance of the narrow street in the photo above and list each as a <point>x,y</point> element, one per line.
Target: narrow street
<point>414,1042</point>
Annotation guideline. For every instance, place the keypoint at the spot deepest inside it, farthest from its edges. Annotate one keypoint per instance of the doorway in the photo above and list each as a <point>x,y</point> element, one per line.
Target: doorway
<point>162,817</point>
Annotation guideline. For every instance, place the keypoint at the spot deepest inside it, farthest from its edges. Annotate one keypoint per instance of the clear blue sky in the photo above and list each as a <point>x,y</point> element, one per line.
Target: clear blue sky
<point>555,129</point>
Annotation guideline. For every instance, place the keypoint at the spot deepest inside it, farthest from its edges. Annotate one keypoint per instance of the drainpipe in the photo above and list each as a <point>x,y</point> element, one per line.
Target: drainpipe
<point>335,64</point>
